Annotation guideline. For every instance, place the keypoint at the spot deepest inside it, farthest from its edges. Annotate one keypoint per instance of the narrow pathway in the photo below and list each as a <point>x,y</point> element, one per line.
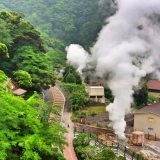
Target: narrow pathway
<point>69,153</point>
<point>58,96</point>
<point>59,99</point>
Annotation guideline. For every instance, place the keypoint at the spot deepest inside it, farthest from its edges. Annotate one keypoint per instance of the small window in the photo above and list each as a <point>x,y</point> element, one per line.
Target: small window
<point>151,129</point>
<point>99,96</point>
<point>151,119</point>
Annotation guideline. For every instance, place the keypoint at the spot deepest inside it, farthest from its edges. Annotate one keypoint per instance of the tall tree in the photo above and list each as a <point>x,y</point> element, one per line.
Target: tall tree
<point>70,78</point>
<point>141,96</point>
<point>69,69</point>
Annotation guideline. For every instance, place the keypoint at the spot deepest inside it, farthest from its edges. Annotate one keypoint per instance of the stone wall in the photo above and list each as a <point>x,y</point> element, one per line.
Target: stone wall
<point>94,119</point>
<point>92,129</point>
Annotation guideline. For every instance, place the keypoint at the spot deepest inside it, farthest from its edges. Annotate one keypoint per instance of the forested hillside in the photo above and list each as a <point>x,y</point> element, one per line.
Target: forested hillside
<point>22,48</point>
<point>33,37</point>
<point>59,23</point>
<point>25,131</point>
<point>71,21</point>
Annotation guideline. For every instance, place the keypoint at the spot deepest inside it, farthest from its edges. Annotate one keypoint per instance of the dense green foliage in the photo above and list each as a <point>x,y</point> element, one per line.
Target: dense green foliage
<point>4,50</point>
<point>5,36</point>
<point>27,52</point>
<point>72,21</point>
<point>70,78</point>
<point>36,64</point>
<point>25,133</point>
<point>141,96</point>
<point>23,78</point>
<point>89,151</point>
<point>3,79</point>
<point>78,96</point>
<point>61,22</point>
<point>70,71</point>
<point>108,94</point>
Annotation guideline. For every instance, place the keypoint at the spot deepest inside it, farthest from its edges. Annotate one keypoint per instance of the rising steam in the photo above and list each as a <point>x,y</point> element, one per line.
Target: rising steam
<point>127,49</point>
<point>77,56</point>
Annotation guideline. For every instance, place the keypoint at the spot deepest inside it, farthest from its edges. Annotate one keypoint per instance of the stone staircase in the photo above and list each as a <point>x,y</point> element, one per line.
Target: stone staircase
<point>58,101</point>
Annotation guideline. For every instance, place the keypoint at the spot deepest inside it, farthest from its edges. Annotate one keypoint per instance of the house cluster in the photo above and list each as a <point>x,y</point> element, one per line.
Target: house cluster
<point>147,119</point>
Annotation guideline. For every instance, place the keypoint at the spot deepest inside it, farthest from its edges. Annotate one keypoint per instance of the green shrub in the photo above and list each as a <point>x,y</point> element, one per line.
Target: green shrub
<point>82,115</point>
<point>93,114</point>
<point>152,98</point>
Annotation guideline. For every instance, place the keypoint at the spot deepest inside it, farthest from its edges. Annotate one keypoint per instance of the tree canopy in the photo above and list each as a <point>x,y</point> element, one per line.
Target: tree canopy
<point>72,21</point>
<point>77,95</point>
<point>24,133</point>
<point>23,78</point>
<point>27,52</point>
<point>70,71</point>
<point>4,50</point>
<point>141,96</point>
<point>87,150</point>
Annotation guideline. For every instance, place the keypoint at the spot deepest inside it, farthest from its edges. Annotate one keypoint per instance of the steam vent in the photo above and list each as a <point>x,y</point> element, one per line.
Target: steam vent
<point>138,138</point>
<point>122,142</point>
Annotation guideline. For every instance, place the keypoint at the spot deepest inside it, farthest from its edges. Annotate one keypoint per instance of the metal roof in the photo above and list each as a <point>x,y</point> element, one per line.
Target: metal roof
<point>153,108</point>
<point>153,84</point>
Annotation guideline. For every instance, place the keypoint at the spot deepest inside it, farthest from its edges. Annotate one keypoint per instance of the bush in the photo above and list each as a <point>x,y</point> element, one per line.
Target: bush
<point>152,98</point>
<point>70,78</point>
<point>82,115</point>
<point>93,114</point>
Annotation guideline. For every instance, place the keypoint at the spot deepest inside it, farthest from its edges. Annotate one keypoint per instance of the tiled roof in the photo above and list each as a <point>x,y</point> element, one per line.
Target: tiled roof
<point>153,108</point>
<point>153,84</point>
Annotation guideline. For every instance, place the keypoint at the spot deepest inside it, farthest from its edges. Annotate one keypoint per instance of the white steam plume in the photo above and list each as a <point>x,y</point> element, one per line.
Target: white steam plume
<point>127,49</point>
<point>77,56</point>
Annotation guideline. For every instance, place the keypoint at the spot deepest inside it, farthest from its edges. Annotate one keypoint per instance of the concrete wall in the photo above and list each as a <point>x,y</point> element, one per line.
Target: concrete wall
<point>95,90</point>
<point>148,123</point>
<point>94,119</point>
<point>96,93</point>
